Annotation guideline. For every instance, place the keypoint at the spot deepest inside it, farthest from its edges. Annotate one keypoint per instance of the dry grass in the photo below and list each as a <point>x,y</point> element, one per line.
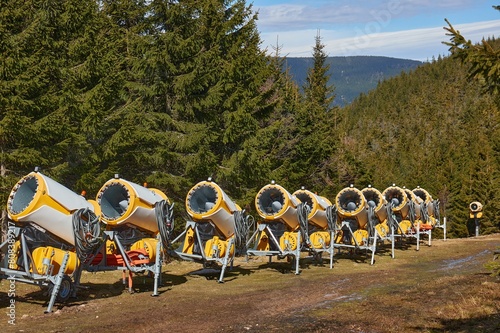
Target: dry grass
<point>442,288</point>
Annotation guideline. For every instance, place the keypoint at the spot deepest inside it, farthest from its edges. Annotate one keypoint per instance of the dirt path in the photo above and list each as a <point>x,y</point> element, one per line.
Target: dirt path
<point>441,288</point>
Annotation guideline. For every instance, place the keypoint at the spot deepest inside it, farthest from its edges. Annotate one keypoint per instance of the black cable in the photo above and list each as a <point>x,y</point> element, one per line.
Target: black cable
<point>165,219</point>
<point>242,226</point>
<point>87,231</point>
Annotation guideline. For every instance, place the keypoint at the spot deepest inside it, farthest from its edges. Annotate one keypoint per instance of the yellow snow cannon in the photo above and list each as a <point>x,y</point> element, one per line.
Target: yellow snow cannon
<point>217,231</point>
<point>429,209</point>
<point>475,210</point>
<point>398,200</point>
<point>377,203</point>
<point>214,215</point>
<point>278,208</point>
<point>43,249</point>
<point>284,225</point>
<point>319,227</point>
<point>352,211</point>
<point>129,209</point>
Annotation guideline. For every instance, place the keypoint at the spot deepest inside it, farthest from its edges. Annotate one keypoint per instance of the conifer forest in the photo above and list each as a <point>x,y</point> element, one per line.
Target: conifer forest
<point>170,93</point>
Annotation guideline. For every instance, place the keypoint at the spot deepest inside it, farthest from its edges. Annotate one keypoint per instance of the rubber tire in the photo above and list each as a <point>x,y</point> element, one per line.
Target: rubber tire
<point>65,290</point>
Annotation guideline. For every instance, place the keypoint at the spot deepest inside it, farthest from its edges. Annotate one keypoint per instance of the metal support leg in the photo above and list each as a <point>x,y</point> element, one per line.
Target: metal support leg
<point>392,241</point>
<point>332,240</point>
<point>444,227</point>
<point>297,254</point>
<point>157,268</point>
<point>374,246</point>
<point>57,284</point>
<point>226,260</point>
<point>418,236</point>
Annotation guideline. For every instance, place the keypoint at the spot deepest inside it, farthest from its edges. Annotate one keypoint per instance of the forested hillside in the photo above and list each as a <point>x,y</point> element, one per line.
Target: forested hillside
<point>433,128</point>
<point>353,75</point>
<point>171,93</point>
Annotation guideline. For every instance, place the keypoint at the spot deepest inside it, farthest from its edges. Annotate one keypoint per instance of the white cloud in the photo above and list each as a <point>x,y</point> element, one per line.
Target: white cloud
<point>418,44</point>
<point>300,14</point>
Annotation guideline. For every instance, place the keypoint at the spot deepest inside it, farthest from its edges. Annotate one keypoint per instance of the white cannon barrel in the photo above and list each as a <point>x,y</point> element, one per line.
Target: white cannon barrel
<point>41,200</point>
<point>206,201</point>
<point>123,202</point>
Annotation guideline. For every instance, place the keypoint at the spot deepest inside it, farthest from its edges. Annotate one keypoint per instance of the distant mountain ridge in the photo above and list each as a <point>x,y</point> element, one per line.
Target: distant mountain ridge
<point>353,75</point>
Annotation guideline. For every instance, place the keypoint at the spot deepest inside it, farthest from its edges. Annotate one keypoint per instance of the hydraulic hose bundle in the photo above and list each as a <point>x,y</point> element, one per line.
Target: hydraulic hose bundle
<point>88,236</point>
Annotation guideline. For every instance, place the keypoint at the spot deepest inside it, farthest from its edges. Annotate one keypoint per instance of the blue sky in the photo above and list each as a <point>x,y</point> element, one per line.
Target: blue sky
<point>409,29</point>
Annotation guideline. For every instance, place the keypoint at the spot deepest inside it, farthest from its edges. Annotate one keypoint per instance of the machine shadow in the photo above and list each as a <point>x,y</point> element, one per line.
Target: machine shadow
<point>89,291</point>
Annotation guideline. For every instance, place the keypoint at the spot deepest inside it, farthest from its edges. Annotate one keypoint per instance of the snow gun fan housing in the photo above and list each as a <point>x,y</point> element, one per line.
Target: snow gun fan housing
<point>416,202</point>
<point>317,205</point>
<point>125,203</point>
<point>351,205</point>
<point>275,204</point>
<point>377,202</point>
<point>378,210</point>
<point>429,205</point>
<point>41,200</point>
<point>206,201</point>
<point>475,209</point>
<point>398,200</point>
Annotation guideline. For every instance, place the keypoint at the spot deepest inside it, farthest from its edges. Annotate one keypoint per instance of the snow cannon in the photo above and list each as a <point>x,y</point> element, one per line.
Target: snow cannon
<point>124,203</point>
<point>351,205</point>
<point>207,202</point>
<point>398,200</point>
<point>401,207</point>
<point>475,209</point>
<point>317,205</point>
<point>318,225</point>
<point>217,230</point>
<point>378,204</point>
<point>41,200</point>
<point>42,247</point>
<point>284,219</point>
<point>215,216</point>
<point>429,207</point>
<point>416,203</point>
<point>275,204</point>
<point>352,211</point>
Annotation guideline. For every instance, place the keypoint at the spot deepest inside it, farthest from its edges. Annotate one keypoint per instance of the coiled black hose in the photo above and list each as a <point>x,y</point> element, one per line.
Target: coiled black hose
<point>165,218</point>
<point>87,231</point>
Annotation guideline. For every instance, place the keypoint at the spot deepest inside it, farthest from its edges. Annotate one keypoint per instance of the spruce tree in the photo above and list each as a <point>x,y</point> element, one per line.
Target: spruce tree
<point>212,85</point>
<point>317,120</point>
<point>41,50</point>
